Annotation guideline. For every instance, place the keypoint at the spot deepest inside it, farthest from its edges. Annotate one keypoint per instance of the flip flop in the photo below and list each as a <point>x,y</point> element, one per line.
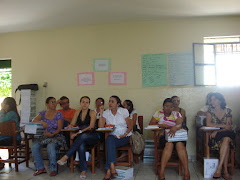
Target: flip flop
<point>227,177</point>
<point>83,177</point>
<point>61,163</point>
<point>217,175</point>
<point>40,171</point>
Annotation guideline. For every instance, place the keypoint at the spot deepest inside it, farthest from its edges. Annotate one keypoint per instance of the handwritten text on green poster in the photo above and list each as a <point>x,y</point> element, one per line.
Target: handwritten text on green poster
<point>154,70</point>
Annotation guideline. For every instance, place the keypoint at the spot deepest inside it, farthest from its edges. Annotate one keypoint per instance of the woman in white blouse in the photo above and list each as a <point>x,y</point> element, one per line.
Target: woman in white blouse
<point>119,117</point>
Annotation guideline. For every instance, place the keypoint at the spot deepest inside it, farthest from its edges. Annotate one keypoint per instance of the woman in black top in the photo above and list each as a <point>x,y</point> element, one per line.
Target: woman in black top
<point>85,119</point>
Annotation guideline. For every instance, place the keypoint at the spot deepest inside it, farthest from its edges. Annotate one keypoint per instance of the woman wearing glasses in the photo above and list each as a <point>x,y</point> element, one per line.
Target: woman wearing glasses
<point>176,102</point>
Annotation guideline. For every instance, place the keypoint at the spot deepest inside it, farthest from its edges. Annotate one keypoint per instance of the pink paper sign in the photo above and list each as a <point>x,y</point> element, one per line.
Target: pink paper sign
<point>117,78</point>
<point>86,78</point>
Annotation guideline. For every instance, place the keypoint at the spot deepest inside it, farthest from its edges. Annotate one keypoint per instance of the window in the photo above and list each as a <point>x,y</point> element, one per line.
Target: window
<point>217,61</point>
<point>5,79</point>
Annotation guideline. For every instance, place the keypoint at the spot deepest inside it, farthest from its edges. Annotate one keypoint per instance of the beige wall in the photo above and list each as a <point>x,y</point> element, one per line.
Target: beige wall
<point>57,55</point>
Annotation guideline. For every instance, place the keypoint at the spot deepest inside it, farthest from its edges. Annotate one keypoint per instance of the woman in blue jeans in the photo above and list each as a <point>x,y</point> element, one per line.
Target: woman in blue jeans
<point>85,119</point>
<point>51,119</point>
<point>119,117</point>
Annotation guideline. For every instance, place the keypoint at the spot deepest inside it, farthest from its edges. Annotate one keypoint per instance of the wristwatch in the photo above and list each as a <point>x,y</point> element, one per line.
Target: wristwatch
<point>80,131</point>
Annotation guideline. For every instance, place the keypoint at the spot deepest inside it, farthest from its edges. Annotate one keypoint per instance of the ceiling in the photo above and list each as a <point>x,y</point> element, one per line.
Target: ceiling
<point>22,15</point>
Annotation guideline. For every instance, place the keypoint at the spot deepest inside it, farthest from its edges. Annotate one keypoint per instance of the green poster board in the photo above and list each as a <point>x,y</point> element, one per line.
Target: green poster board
<point>154,70</point>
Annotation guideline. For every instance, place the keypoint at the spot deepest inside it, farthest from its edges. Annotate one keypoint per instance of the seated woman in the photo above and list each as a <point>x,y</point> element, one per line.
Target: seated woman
<point>85,119</point>
<point>9,113</point>
<point>176,103</point>
<point>99,102</point>
<point>167,118</point>
<point>119,117</point>
<point>132,114</point>
<point>52,120</point>
<point>203,111</point>
<point>220,116</point>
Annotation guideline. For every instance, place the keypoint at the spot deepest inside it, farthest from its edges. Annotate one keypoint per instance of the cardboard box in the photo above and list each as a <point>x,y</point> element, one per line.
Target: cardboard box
<point>210,167</point>
<point>124,172</point>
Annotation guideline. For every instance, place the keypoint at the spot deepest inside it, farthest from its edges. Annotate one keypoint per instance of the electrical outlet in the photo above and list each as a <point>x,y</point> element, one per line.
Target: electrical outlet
<point>45,84</point>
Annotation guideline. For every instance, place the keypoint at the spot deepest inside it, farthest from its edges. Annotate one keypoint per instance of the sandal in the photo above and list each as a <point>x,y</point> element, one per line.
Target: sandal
<point>61,163</point>
<point>40,171</point>
<point>217,175</point>
<point>53,173</point>
<point>113,175</point>
<point>161,178</point>
<point>108,178</point>
<point>227,177</point>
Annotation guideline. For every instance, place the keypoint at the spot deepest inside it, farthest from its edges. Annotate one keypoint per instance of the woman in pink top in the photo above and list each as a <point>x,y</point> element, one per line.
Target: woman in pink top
<point>169,119</point>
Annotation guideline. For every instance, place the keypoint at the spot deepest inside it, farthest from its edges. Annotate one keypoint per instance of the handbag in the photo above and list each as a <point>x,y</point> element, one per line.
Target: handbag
<point>138,143</point>
<point>59,139</point>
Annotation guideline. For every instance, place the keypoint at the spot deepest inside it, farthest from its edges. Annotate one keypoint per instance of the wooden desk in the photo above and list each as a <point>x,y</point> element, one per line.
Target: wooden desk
<point>156,131</point>
<point>206,140</point>
<point>107,132</point>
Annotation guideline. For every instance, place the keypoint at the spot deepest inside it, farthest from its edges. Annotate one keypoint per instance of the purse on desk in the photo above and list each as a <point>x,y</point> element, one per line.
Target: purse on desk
<point>180,135</point>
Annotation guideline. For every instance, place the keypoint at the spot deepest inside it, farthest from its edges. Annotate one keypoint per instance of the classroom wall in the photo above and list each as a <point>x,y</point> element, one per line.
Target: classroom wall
<point>57,55</point>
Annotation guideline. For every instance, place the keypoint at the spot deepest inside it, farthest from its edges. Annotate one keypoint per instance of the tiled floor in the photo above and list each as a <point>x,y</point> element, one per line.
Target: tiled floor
<point>142,171</point>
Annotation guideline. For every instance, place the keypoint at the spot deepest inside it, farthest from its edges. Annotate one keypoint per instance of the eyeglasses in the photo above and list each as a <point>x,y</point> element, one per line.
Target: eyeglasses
<point>176,101</point>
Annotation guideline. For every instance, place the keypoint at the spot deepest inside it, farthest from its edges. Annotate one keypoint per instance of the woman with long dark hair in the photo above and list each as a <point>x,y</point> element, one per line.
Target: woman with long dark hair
<point>169,119</point>
<point>220,116</point>
<point>9,113</point>
<point>119,117</point>
<point>85,119</point>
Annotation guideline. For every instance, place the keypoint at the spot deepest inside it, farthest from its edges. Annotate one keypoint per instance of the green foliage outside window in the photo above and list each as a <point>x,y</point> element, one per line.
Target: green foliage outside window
<point>5,83</point>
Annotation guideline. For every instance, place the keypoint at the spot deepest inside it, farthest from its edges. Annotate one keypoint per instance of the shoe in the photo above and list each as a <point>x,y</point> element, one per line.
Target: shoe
<point>40,171</point>
<point>53,173</point>
<point>227,177</point>
<point>61,163</point>
<point>108,178</point>
<point>161,178</point>
<point>83,177</point>
<point>217,175</point>
<point>113,175</point>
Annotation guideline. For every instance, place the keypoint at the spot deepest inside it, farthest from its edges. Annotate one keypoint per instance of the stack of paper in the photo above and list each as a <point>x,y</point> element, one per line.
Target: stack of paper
<point>180,135</point>
<point>34,128</point>
<point>206,127</point>
<point>124,172</point>
<point>28,105</point>
<point>152,127</point>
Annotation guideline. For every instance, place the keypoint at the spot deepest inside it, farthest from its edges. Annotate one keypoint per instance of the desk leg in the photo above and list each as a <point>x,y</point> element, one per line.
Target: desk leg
<point>155,150</point>
<point>71,159</point>
<point>207,151</point>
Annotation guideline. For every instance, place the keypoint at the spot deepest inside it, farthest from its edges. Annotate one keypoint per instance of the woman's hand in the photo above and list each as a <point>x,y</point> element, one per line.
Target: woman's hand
<point>48,134</point>
<point>101,110</point>
<point>172,131</point>
<point>120,137</point>
<point>69,126</point>
<point>74,135</point>
<point>228,127</point>
<point>213,134</point>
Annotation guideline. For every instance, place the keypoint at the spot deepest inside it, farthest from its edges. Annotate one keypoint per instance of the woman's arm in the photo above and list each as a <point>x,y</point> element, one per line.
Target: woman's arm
<point>91,126</point>
<point>134,119</point>
<point>176,127</point>
<point>74,120</point>
<point>183,113</point>
<point>60,126</point>
<point>129,125</point>
<point>38,119</point>
<point>155,122</point>
<point>102,120</point>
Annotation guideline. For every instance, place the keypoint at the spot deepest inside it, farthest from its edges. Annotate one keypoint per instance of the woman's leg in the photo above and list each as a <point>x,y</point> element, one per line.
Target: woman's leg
<point>52,156</point>
<point>166,154</point>
<point>224,149</point>
<point>225,163</point>
<point>183,156</point>
<point>37,157</point>
<point>86,139</point>
<point>112,144</point>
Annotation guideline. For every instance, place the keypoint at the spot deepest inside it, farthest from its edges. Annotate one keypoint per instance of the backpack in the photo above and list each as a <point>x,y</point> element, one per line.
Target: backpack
<point>138,143</point>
